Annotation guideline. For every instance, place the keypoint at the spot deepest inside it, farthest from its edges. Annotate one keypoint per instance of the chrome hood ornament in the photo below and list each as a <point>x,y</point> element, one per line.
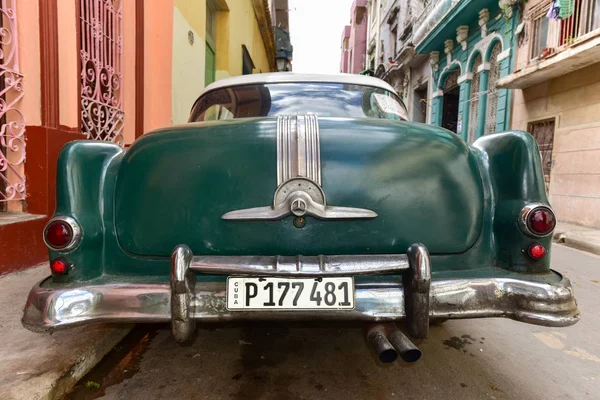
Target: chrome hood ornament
<point>299,190</point>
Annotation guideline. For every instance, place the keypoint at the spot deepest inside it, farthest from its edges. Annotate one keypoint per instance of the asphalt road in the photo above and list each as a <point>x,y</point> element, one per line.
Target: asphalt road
<point>476,359</point>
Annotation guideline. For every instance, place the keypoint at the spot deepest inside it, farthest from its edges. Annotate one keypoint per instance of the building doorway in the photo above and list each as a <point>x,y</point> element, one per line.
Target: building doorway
<point>543,132</point>
<point>419,109</point>
<point>451,102</point>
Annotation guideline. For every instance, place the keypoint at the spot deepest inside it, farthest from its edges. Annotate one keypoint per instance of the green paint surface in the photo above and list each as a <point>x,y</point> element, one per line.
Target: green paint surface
<point>406,173</point>
<point>172,186</point>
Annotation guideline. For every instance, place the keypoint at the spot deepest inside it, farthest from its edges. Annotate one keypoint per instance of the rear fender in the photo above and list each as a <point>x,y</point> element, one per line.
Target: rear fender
<point>515,168</point>
<point>85,178</point>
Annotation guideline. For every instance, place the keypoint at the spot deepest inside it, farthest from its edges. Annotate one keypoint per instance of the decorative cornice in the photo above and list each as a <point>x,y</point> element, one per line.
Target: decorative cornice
<point>484,18</point>
<point>434,59</point>
<point>462,34</point>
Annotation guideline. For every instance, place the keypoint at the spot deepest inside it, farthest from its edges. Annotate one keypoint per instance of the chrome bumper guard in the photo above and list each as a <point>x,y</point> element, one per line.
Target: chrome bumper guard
<point>416,299</point>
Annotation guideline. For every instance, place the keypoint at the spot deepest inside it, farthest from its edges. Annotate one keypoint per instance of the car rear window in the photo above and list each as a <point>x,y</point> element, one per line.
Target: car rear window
<point>322,99</point>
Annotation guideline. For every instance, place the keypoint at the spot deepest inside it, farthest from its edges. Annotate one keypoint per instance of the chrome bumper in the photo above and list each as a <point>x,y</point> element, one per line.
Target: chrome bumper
<point>416,299</point>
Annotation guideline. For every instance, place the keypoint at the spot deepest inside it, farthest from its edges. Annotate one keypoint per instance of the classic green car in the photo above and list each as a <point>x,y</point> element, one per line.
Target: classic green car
<point>302,197</point>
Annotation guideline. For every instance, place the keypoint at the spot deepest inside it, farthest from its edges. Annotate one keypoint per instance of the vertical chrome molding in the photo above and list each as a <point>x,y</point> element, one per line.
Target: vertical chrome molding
<point>299,190</point>
<point>298,148</point>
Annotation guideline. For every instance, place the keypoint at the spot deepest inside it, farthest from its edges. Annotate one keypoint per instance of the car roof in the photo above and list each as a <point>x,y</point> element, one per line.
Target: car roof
<point>292,77</point>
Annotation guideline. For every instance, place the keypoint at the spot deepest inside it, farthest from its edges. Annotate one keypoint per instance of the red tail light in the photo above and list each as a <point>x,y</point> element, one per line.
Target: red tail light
<point>59,267</point>
<point>541,221</point>
<point>536,251</point>
<point>537,220</point>
<point>58,234</point>
<point>62,234</point>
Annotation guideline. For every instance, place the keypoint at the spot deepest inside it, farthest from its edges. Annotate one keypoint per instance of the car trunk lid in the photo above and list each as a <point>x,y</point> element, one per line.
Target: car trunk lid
<point>175,185</point>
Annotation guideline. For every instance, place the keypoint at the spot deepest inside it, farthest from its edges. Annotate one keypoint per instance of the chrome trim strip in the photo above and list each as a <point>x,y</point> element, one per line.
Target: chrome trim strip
<point>299,190</point>
<point>524,218</point>
<point>75,229</point>
<point>298,148</point>
<point>50,309</point>
<point>301,266</point>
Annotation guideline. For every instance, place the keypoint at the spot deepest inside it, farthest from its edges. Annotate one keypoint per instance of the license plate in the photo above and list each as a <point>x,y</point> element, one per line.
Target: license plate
<point>259,294</point>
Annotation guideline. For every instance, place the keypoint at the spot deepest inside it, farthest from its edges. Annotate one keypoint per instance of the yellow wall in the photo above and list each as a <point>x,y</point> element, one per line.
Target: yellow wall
<point>188,59</point>
<point>235,28</point>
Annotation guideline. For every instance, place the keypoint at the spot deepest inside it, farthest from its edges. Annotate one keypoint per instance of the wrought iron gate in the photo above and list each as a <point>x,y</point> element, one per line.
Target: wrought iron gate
<point>12,121</point>
<point>101,48</point>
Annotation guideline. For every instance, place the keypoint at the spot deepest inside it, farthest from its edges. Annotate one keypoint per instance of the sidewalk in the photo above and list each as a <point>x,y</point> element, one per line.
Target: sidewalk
<point>44,366</point>
<point>578,237</point>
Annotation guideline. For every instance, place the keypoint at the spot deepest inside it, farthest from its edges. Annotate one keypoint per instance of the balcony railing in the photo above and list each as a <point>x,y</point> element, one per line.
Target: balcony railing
<point>551,36</point>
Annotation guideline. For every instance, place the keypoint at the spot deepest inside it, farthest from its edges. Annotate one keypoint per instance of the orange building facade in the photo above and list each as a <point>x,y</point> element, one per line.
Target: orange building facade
<point>96,70</point>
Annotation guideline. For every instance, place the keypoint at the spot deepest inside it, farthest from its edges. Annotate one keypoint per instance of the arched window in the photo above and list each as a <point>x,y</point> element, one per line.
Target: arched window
<point>492,98</point>
<point>450,104</point>
<point>474,100</point>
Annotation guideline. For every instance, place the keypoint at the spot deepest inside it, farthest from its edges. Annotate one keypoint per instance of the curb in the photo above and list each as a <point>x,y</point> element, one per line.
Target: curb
<point>64,384</point>
<point>575,242</point>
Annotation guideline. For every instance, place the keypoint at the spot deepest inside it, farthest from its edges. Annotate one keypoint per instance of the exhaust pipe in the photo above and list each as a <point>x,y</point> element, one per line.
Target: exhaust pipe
<point>382,346</point>
<point>388,342</point>
<point>407,350</point>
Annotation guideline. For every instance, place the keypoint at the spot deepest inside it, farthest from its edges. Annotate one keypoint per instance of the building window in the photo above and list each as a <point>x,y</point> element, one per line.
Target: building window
<point>101,63</point>
<point>451,101</point>
<point>543,132</point>
<point>492,98</point>
<point>474,100</point>
<point>539,30</point>
<point>393,41</point>
<point>211,42</point>
<point>247,63</point>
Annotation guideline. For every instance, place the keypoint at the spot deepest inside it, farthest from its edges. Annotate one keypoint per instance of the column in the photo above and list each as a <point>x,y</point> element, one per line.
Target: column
<point>483,87</point>
<point>463,107</point>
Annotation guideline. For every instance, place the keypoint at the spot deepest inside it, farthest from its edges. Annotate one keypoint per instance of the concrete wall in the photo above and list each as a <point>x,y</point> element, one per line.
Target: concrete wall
<point>574,100</point>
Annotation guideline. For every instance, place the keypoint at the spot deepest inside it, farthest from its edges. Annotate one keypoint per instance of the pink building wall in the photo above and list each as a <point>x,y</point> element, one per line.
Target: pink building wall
<point>344,59</point>
<point>357,46</point>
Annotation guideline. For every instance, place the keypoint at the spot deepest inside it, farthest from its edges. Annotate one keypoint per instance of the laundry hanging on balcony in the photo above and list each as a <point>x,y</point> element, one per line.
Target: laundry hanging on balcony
<point>561,9</point>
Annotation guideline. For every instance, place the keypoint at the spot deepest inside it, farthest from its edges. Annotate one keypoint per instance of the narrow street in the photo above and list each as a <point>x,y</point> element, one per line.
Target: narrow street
<point>474,359</point>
